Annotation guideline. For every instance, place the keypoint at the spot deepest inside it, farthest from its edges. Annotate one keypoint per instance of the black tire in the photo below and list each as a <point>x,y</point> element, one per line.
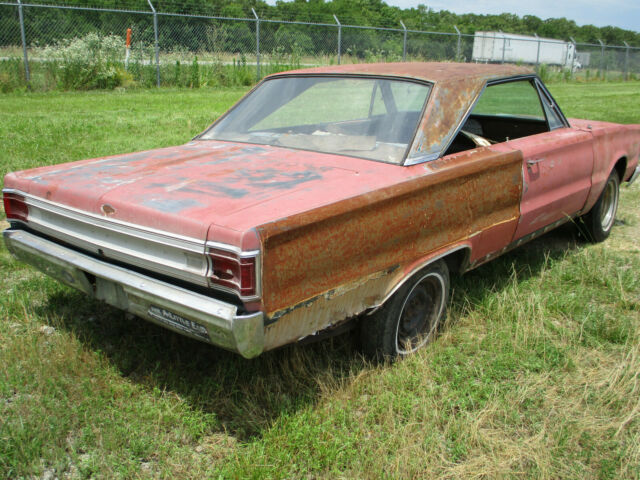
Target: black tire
<point>410,318</point>
<point>598,222</point>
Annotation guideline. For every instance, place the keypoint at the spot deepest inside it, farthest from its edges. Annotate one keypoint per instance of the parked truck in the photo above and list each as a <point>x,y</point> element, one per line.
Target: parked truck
<point>492,47</point>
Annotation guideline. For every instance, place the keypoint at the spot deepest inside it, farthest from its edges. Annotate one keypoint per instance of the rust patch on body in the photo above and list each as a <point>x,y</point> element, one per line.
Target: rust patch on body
<point>329,309</point>
<point>428,71</point>
<point>309,254</point>
<point>107,209</point>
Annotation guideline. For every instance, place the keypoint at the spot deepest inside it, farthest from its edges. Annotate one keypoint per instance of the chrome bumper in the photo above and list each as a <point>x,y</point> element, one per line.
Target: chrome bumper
<point>191,314</point>
<point>635,175</point>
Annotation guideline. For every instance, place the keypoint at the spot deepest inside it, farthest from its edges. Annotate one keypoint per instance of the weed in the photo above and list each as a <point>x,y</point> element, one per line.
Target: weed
<point>86,63</point>
<point>195,74</point>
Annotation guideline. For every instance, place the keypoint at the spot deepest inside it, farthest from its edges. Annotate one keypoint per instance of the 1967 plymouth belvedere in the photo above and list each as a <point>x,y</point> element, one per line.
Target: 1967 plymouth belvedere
<point>325,196</point>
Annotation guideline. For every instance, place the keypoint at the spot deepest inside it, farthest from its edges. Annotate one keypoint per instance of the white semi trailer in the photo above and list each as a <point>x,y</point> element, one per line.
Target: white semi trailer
<point>491,47</point>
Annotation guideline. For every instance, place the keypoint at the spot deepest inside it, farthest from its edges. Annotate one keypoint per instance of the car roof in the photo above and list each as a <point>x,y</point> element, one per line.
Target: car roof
<point>434,72</point>
<point>455,85</point>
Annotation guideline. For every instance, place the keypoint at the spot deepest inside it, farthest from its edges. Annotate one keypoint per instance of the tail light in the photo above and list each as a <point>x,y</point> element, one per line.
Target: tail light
<point>15,206</point>
<point>234,271</point>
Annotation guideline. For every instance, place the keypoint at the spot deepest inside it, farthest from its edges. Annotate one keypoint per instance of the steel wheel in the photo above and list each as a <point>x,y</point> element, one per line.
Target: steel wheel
<point>598,223</point>
<point>420,313</point>
<point>609,205</point>
<point>410,318</point>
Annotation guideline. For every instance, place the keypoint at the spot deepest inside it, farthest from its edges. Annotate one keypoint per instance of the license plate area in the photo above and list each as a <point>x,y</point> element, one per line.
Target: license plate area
<point>178,322</point>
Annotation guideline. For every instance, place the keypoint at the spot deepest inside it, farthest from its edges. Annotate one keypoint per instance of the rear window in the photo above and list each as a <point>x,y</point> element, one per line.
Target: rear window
<point>373,118</point>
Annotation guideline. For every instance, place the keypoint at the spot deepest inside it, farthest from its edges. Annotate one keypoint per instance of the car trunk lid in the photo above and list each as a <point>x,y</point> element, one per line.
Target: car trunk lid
<point>183,190</point>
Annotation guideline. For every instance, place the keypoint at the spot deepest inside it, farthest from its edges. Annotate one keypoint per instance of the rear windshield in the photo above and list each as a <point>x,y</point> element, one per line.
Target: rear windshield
<point>371,118</point>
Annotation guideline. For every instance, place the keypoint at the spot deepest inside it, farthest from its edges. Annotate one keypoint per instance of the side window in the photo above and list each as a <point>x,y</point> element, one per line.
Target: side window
<point>519,99</point>
<point>551,111</point>
<point>510,110</point>
<point>505,111</point>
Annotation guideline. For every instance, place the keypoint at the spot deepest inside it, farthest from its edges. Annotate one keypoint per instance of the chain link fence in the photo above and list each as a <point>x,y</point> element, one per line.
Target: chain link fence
<point>37,43</point>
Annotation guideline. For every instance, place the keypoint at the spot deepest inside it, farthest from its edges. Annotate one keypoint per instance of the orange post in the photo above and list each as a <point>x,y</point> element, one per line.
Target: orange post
<point>128,45</point>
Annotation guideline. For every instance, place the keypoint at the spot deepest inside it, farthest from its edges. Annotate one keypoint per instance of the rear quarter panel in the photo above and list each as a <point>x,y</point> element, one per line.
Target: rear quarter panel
<point>325,265</point>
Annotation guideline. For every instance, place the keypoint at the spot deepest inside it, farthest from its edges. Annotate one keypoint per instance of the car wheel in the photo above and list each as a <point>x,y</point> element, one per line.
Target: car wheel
<point>410,318</point>
<point>599,221</point>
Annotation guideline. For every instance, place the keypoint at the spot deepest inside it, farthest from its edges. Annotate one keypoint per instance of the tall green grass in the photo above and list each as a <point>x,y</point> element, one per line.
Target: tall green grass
<point>535,374</point>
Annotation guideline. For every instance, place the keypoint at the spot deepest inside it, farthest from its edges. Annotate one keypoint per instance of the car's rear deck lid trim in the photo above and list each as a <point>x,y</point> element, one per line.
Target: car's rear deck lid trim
<point>157,251</point>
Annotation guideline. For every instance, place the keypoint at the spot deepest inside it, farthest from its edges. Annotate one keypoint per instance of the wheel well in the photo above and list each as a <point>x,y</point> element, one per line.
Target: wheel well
<point>621,167</point>
<point>457,261</point>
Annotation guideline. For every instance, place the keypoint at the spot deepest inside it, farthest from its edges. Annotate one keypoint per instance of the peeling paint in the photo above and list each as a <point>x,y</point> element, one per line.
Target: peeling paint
<point>306,255</point>
<point>170,206</point>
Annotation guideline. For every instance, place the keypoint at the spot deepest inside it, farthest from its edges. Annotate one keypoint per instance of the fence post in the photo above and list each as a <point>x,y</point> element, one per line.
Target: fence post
<point>574,60</point>
<point>626,61</point>
<point>538,54</point>
<point>404,42</point>
<point>339,37</point>
<point>255,15</point>
<point>458,45</point>
<point>601,58</point>
<point>504,45</point>
<point>27,74</point>
<point>157,48</point>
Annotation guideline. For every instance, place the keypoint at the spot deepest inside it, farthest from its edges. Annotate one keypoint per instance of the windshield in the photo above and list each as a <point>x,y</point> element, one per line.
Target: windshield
<point>363,117</point>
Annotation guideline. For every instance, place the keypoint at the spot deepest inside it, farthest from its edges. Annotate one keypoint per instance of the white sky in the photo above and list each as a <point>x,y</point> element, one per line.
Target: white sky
<point>618,13</point>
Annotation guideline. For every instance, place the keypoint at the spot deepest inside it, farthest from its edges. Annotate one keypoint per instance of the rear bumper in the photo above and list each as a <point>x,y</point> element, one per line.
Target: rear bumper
<point>189,313</point>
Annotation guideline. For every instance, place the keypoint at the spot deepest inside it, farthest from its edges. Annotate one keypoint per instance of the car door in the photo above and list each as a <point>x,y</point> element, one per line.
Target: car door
<point>557,159</point>
<point>557,178</point>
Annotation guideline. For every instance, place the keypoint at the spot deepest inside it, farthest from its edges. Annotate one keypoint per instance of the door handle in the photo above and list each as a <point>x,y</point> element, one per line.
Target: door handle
<point>532,162</point>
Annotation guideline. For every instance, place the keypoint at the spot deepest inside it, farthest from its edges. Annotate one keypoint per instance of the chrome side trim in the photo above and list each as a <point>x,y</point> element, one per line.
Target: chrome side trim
<point>161,252</point>
<point>110,223</point>
<point>421,159</point>
<point>520,241</point>
<point>417,269</point>
<point>232,248</point>
<point>143,296</point>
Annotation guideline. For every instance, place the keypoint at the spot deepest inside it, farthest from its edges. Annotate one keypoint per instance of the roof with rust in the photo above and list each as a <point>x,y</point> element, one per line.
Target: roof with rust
<point>455,87</point>
<point>435,72</point>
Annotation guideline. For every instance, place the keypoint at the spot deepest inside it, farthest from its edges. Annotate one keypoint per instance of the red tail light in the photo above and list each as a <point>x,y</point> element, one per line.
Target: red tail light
<point>15,207</point>
<point>234,271</point>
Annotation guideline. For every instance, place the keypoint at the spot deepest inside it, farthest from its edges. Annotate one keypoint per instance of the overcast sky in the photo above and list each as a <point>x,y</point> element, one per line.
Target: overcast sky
<point>619,13</point>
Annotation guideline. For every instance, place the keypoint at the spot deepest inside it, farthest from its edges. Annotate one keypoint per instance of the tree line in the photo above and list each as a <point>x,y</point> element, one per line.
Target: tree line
<point>47,24</point>
<point>378,13</point>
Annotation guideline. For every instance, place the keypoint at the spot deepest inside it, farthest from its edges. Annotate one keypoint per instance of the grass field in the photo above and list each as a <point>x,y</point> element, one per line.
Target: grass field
<point>537,373</point>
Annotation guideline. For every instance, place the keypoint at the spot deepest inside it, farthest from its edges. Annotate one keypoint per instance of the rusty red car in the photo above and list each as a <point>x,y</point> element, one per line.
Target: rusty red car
<point>325,198</point>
